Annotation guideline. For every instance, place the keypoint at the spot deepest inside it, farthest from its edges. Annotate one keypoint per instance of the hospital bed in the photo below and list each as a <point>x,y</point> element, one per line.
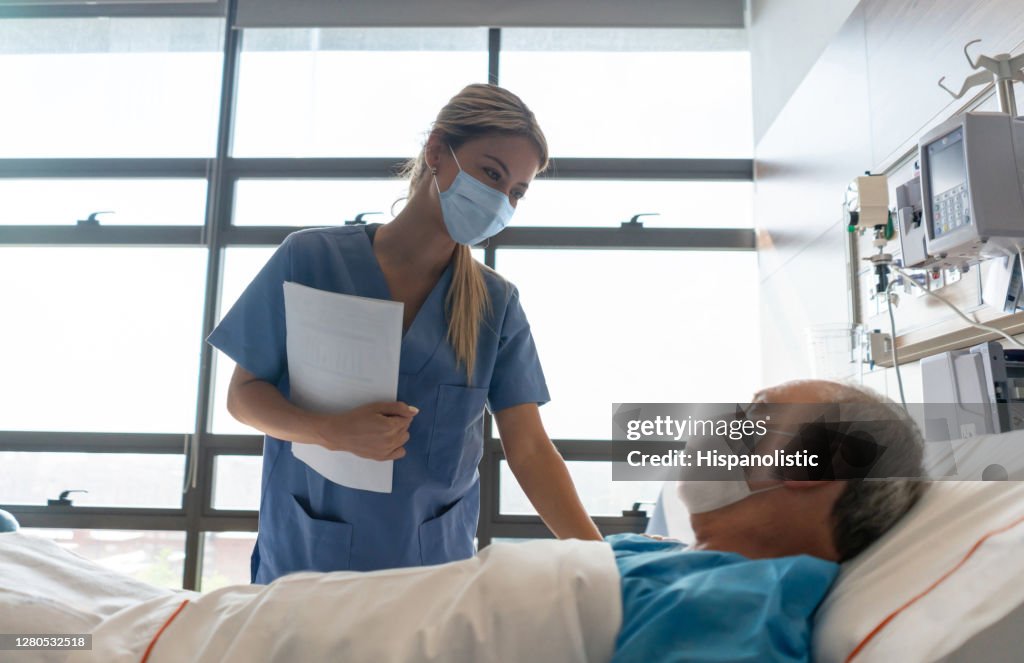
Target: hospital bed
<point>534,601</point>
<point>946,585</point>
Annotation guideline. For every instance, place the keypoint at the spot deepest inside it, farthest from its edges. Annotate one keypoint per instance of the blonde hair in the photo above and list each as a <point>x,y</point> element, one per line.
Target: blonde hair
<point>478,110</point>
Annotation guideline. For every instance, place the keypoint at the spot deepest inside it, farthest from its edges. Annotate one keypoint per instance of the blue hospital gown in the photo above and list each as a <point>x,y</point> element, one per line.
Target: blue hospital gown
<point>680,605</point>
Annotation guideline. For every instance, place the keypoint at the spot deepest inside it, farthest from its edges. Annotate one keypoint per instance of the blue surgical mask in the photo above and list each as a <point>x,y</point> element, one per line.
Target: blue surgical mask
<point>472,211</point>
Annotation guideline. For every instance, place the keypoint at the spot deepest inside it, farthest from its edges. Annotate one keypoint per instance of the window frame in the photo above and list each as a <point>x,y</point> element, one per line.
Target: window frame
<point>196,516</point>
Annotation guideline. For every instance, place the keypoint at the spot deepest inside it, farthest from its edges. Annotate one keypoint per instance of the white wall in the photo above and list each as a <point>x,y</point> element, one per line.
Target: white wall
<point>786,39</point>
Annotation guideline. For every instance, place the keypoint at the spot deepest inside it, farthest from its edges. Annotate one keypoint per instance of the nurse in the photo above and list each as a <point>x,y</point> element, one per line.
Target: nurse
<point>466,345</point>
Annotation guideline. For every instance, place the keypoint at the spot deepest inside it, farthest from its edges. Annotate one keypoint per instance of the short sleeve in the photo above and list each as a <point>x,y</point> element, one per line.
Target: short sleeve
<point>517,377</point>
<point>253,331</point>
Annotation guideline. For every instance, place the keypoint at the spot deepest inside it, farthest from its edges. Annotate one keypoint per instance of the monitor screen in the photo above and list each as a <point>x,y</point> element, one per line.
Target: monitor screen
<point>947,179</point>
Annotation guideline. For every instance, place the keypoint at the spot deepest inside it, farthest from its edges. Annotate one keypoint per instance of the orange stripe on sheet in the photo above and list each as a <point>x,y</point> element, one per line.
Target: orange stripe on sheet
<point>152,643</point>
<point>885,622</point>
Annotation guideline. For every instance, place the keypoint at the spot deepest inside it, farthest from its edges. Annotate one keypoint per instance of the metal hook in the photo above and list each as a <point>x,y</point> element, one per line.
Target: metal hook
<point>983,61</point>
<point>979,78</point>
<point>974,65</point>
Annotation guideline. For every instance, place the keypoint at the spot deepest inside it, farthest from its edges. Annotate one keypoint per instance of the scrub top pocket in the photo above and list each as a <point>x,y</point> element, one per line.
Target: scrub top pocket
<point>315,544</point>
<point>456,440</point>
<point>449,537</point>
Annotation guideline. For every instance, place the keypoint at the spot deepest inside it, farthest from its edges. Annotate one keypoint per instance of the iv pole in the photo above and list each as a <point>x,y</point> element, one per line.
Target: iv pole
<point>1003,68</point>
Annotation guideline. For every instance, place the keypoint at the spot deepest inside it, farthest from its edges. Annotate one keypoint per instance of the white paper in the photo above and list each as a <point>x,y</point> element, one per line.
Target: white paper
<point>343,352</point>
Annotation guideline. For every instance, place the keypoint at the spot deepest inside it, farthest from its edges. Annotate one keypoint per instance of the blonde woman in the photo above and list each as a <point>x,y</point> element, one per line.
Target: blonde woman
<point>466,344</point>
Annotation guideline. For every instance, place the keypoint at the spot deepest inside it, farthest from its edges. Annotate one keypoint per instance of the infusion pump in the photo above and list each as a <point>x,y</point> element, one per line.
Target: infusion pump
<point>972,190</point>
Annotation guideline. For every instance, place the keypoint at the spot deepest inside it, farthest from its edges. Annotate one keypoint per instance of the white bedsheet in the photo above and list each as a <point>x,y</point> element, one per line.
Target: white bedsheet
<point>533,601</point>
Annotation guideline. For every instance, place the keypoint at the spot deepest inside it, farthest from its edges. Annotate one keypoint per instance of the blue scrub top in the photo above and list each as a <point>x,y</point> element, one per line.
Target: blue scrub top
<point>682,606</point>
<point>308,523</point>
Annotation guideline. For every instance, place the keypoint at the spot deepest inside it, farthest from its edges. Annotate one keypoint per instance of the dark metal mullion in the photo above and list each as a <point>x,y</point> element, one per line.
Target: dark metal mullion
<point>129,518</point>
<point>490,481</point>
<point>696,239</point>
<point>515,236</point>
<point>559,237</point>
<point>312,167</point>
<point>114,10</point>
<point>86,517</point>
<point>207,460</point>
<point>585,450</point>
<point>532,527</point>
<point>489,489</point>
<point>219,204</point>
<point>157,443</point>
<point>230,521</point>
<point>101,235</point>
<point>613,521</point>
<point>366,167</point>
<point>245,445</point>
<point>101,168</point>
<point>493,55</point>
<point>57,442</point>
<point>682,170</point>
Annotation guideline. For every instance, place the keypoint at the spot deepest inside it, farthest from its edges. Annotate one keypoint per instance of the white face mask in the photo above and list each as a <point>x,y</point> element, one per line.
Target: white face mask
<point>714,488</point>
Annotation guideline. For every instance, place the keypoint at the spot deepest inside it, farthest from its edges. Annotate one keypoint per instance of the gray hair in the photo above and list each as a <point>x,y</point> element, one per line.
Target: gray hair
<point>868,507</point>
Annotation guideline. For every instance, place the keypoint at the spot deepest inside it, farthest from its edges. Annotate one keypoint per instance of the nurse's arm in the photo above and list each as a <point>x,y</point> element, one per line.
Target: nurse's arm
<point>542,473</point>
<point>377,431</point>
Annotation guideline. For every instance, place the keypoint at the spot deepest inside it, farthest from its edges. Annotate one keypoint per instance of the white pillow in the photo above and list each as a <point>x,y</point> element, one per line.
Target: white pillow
<point>951,568</point>
<point>980,458</point>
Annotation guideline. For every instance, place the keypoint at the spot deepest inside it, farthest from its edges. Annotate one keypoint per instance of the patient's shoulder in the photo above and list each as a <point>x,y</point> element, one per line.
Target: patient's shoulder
<point>713,605</point>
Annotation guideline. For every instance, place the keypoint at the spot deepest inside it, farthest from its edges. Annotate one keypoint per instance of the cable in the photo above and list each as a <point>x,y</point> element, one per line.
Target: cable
<point>892,337</point>
<point>1020,255</point>
<point>956,310</point>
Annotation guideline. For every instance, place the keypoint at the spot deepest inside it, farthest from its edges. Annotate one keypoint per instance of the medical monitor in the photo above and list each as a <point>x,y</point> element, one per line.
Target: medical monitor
<point>972,188</point>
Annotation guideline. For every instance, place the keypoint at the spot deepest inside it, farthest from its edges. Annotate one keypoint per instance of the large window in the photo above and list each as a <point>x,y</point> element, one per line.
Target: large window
<point>207,145</point>
<point>110,479</point>
<point>105,338</point>
<point>240,266</point>
<point>644,93</point>
<point>601,496</point>
<point>608,203</point>
<point>110,87</point>
<point>349,91</point>
<point>635,326</point>
<point>319,202</point>
<point>115,202</point>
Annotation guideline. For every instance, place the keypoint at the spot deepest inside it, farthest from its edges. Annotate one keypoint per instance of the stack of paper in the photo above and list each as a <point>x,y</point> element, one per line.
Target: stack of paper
<point>343,352</point>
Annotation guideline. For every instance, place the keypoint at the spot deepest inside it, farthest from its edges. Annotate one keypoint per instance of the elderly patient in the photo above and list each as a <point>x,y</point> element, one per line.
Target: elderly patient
<point>766,545</point>
<point>766,551</point>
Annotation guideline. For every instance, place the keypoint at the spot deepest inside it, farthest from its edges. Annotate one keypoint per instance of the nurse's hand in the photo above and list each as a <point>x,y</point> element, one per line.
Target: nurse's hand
<point>377,431</point>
